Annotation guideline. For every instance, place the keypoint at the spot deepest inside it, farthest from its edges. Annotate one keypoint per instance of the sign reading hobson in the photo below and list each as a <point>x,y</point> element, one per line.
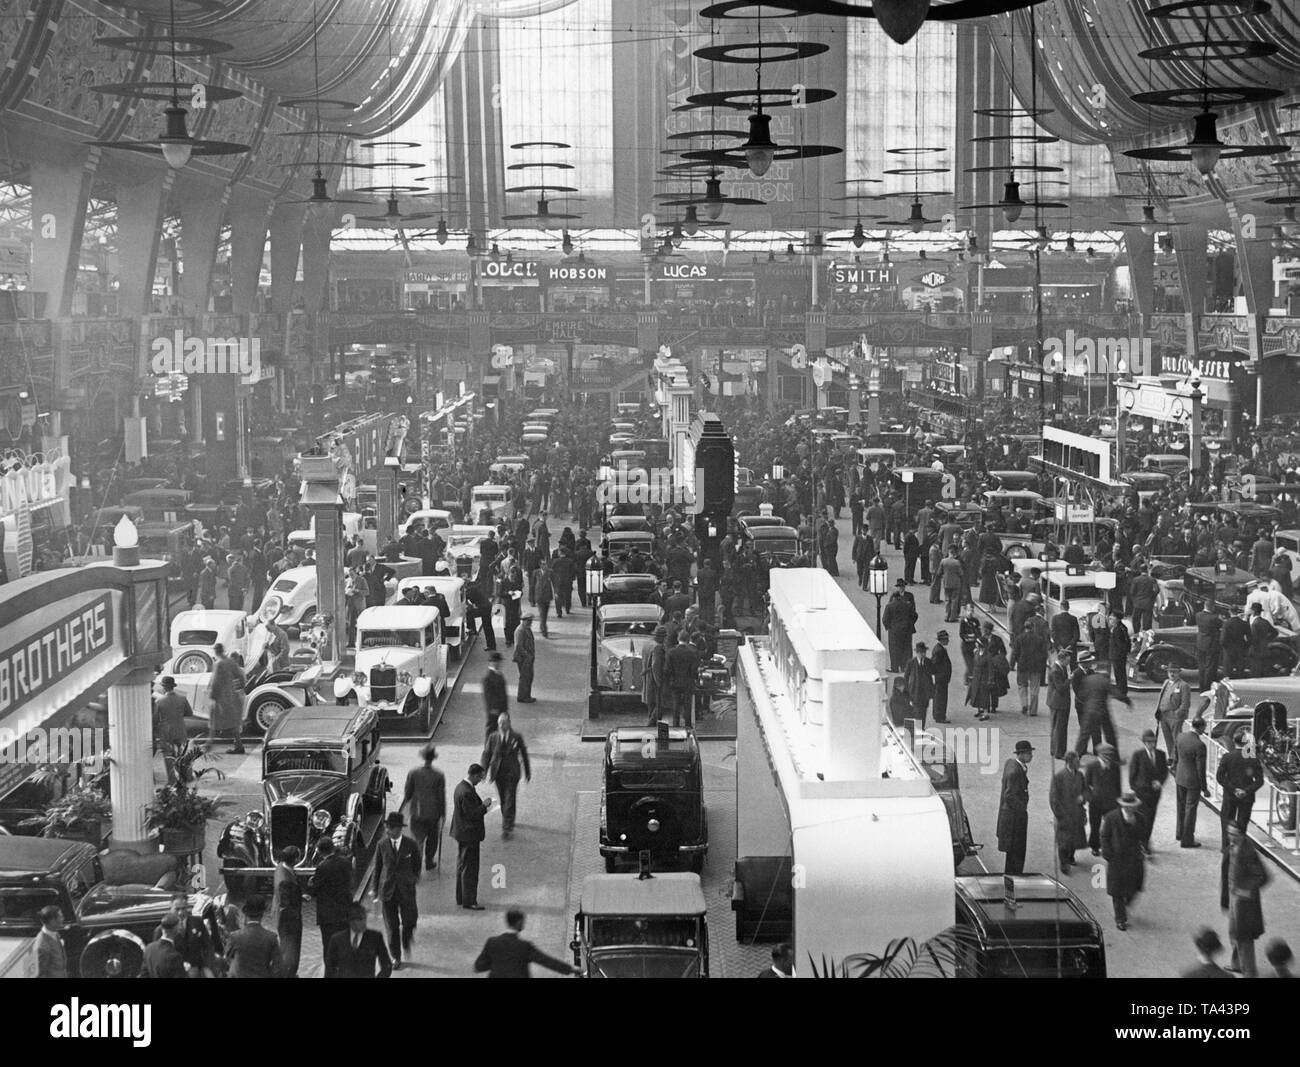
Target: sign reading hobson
<point>54,652</point>
<point>567,274</point>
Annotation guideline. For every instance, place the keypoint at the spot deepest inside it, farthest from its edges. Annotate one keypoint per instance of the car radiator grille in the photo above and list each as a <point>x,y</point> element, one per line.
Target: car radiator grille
<point>383,684</point>
<point>289,824</point>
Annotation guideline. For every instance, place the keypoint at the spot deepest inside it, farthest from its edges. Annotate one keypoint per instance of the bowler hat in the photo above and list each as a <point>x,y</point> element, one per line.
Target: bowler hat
<point>395,818</point>
<point>526,618</point>
<point>494,656</point>
<point>170,921</point>
<point>1148,735</point>
<point>1023,746</point>
<point>428,752</point>
<point>942,635</point>
<point>168,682</point>
<point>1129,800</point>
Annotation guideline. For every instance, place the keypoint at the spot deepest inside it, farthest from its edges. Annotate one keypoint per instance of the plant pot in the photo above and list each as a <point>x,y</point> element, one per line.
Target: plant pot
<point>183,842</point>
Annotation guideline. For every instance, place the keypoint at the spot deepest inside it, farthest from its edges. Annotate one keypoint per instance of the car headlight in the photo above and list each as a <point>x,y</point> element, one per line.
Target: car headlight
<point>342,687</point>
<point>273,606</point>
<point>321,819</point>
<point>653,826</point>
<point>404,677</point>
<point>421,686</point>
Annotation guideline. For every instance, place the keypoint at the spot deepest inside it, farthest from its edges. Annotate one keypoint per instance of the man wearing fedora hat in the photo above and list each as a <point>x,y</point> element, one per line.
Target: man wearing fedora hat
<point>1013,809</point>
<point>1208,945</point>
<point>495,697</point>
<point>397,870</point>
<point>169,715</point>
<point>1121,847</point>
<point>525,656</point>
<point>941,673</point>
<point>1148,770</point>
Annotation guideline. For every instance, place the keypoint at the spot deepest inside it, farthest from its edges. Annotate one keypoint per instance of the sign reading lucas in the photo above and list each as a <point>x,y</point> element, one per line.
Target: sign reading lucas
<point>1097,355</point>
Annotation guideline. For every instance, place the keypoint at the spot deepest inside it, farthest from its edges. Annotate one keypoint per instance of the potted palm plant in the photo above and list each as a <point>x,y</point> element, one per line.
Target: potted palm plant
<point>79,815</point>
<point>179,814</point>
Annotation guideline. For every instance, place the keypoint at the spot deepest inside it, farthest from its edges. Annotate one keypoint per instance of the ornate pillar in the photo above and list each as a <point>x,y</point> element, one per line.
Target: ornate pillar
<point>321,495</point>
<point>130,739</point>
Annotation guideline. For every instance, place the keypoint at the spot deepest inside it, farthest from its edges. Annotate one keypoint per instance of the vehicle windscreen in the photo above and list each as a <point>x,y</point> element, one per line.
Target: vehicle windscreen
<point>24,905</point>
<point>289,760</point>
<point>625,628</point>
<point>197,637</point>
<point>389,639</point>
<point>660,932</point>
<point>1074,592</point>
<point>637,780</point>
<point>284,585</point>
<point>776,545</point>
<point>464,544</point>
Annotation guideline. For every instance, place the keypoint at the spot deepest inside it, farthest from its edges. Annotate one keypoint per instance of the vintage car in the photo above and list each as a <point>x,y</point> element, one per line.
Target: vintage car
<point>291,599</point>
<point>1146,484</point>
<point>1013,479</point>
<point>748,499</point>
<point>463,548</point>
<point>1228,586</point>
<point>750,522</point>
<point>872,459</point>
<point>624,633</point>
<point>106,927</point>
<point>626,522</point>
<point>941,763</point>
<point>1013,500</point>
<point>1025,926</point>
<point>618,542</point>
<point>454,634</point>
<point>632,927</point>
<point>401,663</point>
<point>652,798</point>
<point>1078,587</point>
<point>294,686</point>
<point>620,440</point>
<point>967,515</point>
<point>1157,653</point>
<point>425,518</point>
<point>1172,463</point>
<point>489,504</point>
<point>353,524</point>
<point>321,777</point>
<point>623,426</point>
<point>194,635</point>
<point>630,589</point>
<point>778,545</point>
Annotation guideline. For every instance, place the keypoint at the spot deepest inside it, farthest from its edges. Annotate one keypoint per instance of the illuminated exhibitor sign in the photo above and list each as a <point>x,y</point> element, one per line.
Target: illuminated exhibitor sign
<point>685,272</point>
<point>50,653</point>
<point>569,275</point>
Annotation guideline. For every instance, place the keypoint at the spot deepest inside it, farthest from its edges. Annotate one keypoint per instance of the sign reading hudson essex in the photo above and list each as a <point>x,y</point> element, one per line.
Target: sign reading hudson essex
<point>51,653</point>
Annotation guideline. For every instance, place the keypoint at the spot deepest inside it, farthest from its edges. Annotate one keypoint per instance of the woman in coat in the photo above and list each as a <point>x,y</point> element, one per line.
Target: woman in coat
<point>990,567</point>
<point>1068,795</point>
<point>1246,877</point>
<point>979,693</point>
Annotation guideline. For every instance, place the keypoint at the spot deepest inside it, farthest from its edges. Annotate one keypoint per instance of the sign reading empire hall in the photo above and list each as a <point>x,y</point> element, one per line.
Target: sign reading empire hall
<point>55,650</point>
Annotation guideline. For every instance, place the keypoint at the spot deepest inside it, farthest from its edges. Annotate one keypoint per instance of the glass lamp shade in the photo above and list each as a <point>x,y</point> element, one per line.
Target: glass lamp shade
<point>595,578</point>
<point>125,534</point>
<point>878,577</point>
<point>759,148</point>
<point>440,235</point>
<point>177,146</point>
<point>1205,144</point>
<point>1012,205</point>
<point>713,198</point>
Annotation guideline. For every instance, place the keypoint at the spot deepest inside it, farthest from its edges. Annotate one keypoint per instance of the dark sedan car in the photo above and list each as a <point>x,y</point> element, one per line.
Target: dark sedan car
<point>321,777</point>
<point>106,927</point>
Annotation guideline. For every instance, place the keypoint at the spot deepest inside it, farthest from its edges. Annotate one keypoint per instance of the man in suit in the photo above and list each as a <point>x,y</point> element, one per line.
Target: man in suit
<point>506,758</point>
<point>1064,632</point>
<point>425,798</point>
<point>509,956</point>
<point>162,959</point>
<point>1142,590</point>
<point>191,937</point>
<point>51,958</point>
<point>253,952</point>
<point>1234,644</point>
<point>495,698</point>
<point>355,952</point>
<point>525,656</point>
<point>331,888</point>
<point>1029,657</point>
<point>1013,809</point>
<point>1172,708</point>
<point>1208,945</point>
<point>782,962</point>
<point>941,673</point>
<point>1189,781</point>
<point>681,674</point>
<point>169,715</point>
<point>467,812</point>
<point>1147,771</point>
<point>1103,779</point>
<point>918,683</point>
<point>287,899</point>
<point>1262,633</point>
<point>1241,777</point>
<point>1209,628</point>
<point>952,580</point>
<point>1122,832</point>
<point>397,870</point>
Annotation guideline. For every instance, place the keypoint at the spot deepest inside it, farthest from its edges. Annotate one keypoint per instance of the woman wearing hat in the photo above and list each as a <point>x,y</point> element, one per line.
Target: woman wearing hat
<point>1121,848</point>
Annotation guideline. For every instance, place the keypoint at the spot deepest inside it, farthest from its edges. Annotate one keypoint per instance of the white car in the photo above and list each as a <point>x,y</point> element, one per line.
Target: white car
<point>426,518</point>
<point>289,688</point>
<point>453,591</point>
<point>491,503</point>
<point>401,662</point>
<point>291,600</point>
<point>463,548</point>
<point>353,524</point>
<point>194,636</point>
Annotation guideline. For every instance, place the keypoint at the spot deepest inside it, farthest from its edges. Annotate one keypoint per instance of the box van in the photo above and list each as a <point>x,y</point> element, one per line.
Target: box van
<point>159,505</point>
<point>490,503</point>
<point>881,457</point>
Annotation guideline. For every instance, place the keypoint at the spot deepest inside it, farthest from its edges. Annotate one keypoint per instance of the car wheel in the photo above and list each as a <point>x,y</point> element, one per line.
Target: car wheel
<point>426,714</point>
<point>611,865</point>
<point>1157,666</point>
<point>308,617</point>
<point>266,711</point>
<point>192,663</point>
